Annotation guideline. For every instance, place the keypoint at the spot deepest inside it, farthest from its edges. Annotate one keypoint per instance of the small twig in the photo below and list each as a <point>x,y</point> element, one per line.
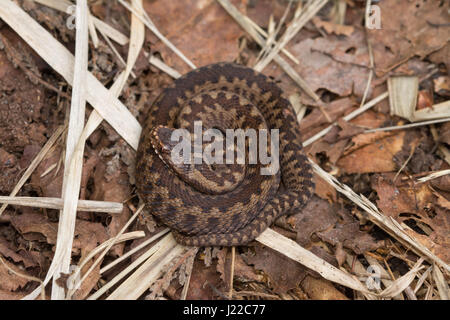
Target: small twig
<point>256,294</point>
<point>413,149</point>
<point>407,126</point>
<point>188,279</point>
<point>233,255</point>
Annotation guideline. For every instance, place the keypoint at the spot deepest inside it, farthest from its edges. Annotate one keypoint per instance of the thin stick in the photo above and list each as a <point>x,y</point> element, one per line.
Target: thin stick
<point>188,280</point>
<point>73,164</point>
<point>407,126</point>
<point>411,153</point>
<point>57,203</point>
<point>348,117</point>
<point>233,255</point>
<point>243,21</point>
<point>309,11</point>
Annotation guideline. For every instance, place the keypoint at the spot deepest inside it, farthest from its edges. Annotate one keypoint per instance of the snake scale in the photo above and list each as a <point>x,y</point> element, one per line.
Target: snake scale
<point>223,204</point>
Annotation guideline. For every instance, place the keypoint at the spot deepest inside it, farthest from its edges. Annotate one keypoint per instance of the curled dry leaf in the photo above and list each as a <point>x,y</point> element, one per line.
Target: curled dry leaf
<point>18,256</point>
<point>11,281</point>
<point>417,208</point>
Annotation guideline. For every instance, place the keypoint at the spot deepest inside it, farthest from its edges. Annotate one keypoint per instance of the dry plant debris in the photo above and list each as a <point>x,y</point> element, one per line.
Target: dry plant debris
<point>382,197</point>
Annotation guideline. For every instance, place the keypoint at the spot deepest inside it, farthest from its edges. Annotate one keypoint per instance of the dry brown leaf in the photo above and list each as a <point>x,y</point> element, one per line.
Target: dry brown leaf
<point>10,281</point>
<point>442,85</point>
<point>321,71</point>
<point>111,184</point>
<point>416,207</point>
<point>205,282</point>
<point>408,28</point>
<point>241,270</point>
<point>349,235</point>
<point>324,190</point>
<point>275,264</point>
<point>25,257</point>
<point>318,215</point>
<point>374,157</point>
<point>330,27</point>
<point>212,33</point>
<point>321,289</point>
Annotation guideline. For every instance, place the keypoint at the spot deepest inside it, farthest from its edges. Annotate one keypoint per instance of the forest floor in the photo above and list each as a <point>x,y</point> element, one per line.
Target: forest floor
<point>371,88</point>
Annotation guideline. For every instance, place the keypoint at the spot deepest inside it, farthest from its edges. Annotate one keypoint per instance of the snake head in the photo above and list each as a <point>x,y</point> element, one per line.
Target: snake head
<point>160,138</point>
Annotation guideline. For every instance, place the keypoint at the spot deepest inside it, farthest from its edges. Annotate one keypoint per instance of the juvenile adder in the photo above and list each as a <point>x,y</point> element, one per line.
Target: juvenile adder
<point>221,205</point>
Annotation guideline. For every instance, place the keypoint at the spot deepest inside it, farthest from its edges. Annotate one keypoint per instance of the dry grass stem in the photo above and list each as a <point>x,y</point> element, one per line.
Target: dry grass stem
<point>73,164</point>
<point>250,29</point>
<point>57,203</point>
<point>408,126</point>
<point>309,11</point>
<point>291,249</point>
<point>142,15</point>
<point>62,61</point>
<point>434,175</point>
<point>134,250</point>
<point>76,285</point>
<point>136,284</point>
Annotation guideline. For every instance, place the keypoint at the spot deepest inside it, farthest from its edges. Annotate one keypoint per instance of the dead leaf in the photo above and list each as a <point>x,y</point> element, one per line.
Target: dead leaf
<point>408,28</point>
<point>374,157</point>
<point>329,27</point>
<point>275,264</point>
<point>318,215</point>
<point>213,35</point>
<point>11,281</point>
<point>321,289</point>
<point>321,71</point>
<point>16,255</point>
<point>424,99</point>
<point>205,282</point>
<point>416,206</point>
<point>241,270</point>
<point>349,235</point>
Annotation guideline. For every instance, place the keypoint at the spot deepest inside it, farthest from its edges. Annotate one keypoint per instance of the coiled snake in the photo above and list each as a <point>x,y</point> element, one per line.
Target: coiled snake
<point>221,204</point>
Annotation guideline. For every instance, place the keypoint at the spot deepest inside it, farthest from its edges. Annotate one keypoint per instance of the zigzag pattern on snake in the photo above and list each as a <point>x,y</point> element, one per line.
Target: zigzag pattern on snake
<point>221,205</point>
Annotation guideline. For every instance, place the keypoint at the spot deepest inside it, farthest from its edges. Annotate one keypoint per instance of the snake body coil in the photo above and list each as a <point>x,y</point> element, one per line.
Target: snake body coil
<point>224,204</point>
